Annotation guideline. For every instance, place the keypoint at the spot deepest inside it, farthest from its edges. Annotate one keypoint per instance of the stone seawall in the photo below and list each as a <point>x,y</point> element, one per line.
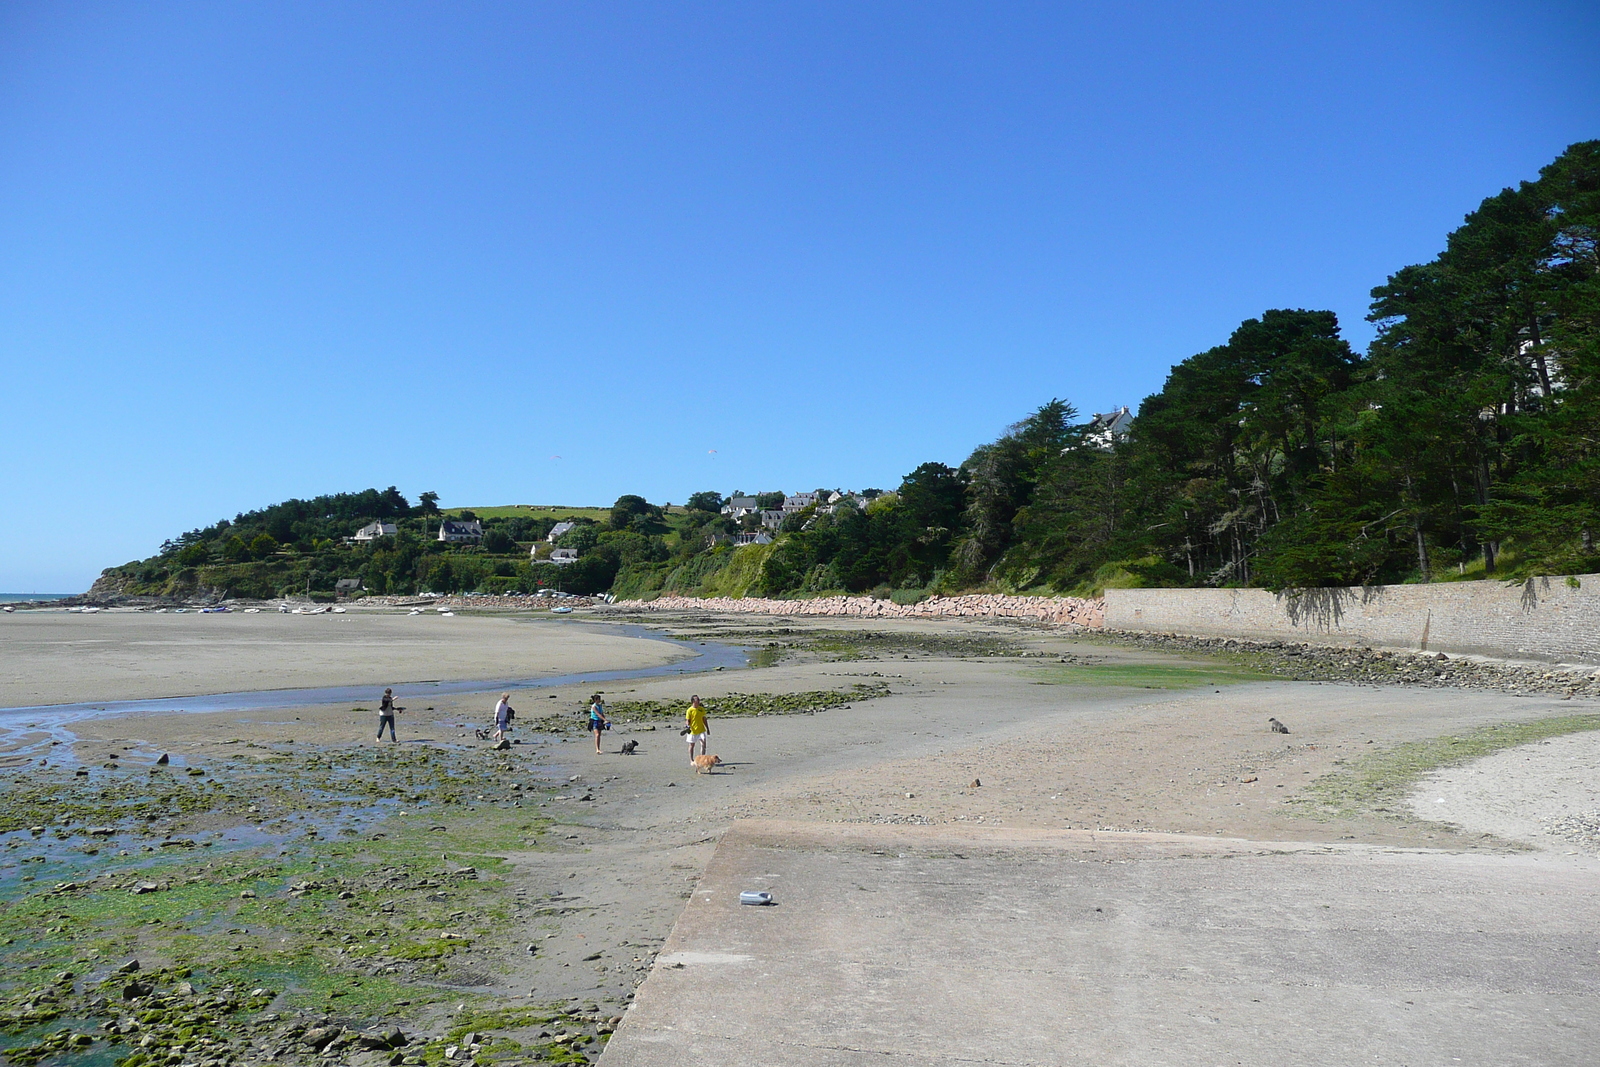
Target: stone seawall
<point>1056,611</point>
<point>1555,620</point>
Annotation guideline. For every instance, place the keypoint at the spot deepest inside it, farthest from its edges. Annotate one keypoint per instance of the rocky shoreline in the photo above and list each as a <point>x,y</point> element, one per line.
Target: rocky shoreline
<point>328,925</point>
<point>1078,612</point>
<point>1307,662</point>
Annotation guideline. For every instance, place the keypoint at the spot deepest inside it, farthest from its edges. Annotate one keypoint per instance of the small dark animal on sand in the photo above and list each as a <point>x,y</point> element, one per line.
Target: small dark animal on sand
<point>628,746</point>
<point>1277,727</point>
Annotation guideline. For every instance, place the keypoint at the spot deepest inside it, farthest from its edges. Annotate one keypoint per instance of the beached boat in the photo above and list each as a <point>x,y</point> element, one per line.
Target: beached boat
<point>561,611</point>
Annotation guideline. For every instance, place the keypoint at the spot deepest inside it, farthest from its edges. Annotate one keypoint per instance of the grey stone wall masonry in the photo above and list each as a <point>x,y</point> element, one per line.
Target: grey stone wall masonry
<point>1553,620</point>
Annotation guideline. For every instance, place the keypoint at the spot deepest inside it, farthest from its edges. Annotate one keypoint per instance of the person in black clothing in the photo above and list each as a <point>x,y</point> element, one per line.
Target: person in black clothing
<point>386,714</point>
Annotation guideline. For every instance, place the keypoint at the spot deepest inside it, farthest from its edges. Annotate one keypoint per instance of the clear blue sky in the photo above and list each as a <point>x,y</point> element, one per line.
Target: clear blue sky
<point>254,251</point>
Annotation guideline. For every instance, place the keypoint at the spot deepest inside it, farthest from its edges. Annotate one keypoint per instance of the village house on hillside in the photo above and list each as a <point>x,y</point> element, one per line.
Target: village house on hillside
<point>752,537</point>
<point>561,556</point>
<point>458,531</point>
<point>772,519</point>
<point>1108,431</point>
<point>374,530</point>
<point>558,529</point>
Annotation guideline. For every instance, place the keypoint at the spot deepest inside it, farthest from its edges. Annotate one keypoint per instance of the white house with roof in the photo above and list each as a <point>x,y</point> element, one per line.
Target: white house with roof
<point>737,507</point>
<point>457,531</point>
<point>1109,430</point>
<point>798,502</point>
<point>558,529</point>
<point>374,530</point>
<point>563,556</point>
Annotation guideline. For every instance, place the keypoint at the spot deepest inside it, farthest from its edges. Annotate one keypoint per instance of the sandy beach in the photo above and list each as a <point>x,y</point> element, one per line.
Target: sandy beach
<point>1545,794</point>
<point>57,657</point>
<point>984,725</point>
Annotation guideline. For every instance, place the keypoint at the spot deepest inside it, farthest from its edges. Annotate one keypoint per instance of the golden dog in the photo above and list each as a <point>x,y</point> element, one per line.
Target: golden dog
<point>705,763</point>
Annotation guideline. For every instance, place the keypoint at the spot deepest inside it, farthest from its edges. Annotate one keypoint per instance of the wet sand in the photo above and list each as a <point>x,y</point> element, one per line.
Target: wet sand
<point>635,830</point>
<point>962,740</point>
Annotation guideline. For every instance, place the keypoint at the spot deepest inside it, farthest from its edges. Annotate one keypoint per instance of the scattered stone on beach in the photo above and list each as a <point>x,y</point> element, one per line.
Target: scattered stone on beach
<point>1309,662</point>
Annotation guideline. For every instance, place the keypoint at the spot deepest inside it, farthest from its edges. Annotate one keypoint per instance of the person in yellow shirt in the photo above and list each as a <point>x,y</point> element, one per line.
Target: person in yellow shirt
<point>699,728</point>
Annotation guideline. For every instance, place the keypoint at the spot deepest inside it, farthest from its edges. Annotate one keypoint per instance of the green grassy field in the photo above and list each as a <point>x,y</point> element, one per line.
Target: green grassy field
<point>505,511</point>
<point>1147,676</point>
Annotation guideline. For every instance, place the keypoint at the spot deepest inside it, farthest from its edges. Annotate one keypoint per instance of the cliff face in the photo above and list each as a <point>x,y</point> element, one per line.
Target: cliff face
<point>109,588</point>
<point>114,588</point>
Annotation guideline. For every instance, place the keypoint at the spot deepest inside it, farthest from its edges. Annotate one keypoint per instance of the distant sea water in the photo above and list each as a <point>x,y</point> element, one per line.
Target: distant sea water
<point>13,598</point>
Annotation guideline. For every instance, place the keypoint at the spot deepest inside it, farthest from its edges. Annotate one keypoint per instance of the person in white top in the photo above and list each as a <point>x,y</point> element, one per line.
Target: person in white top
<point>503,712</point>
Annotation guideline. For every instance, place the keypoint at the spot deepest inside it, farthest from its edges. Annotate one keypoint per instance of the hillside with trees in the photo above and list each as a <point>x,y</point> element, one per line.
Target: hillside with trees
<point>1465,443</point>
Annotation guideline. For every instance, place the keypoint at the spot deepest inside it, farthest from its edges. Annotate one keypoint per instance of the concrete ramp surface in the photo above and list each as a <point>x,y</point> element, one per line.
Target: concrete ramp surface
<point>927,945</point>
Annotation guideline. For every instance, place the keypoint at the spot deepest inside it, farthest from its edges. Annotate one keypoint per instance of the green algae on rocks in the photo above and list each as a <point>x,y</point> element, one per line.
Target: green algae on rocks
<point>146,913</point>
<point>729,705</point>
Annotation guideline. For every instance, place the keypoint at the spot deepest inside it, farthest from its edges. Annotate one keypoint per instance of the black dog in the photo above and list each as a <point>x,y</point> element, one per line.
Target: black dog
<point>628,746</point>
<point>1277,727</point>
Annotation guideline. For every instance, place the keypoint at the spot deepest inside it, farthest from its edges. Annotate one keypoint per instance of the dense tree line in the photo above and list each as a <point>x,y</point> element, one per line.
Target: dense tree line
<point>1464,443</point>
<point>306,546</point>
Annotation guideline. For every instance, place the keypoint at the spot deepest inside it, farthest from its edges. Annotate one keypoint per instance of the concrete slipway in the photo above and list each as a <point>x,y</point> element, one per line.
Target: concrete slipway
<point>926,945</point>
